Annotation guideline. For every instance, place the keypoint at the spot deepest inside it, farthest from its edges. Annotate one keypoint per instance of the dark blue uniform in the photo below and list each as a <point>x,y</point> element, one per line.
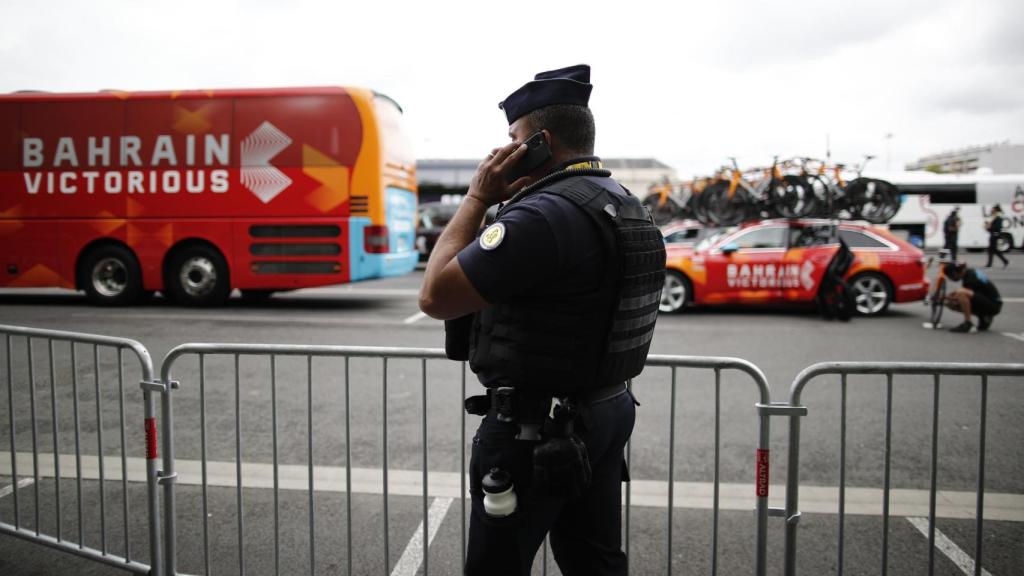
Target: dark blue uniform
<point>550,251</point>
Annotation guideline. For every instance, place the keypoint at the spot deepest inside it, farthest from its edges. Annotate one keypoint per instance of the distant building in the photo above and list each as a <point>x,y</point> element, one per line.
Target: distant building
<point>1000,158</point>
<point>445,180</point>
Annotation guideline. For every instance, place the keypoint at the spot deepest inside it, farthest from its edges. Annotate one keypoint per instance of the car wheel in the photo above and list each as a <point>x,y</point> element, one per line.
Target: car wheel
<point>871,292</point>
<point>676,292</point>
<point>198,276</point>
<point>111,276</point>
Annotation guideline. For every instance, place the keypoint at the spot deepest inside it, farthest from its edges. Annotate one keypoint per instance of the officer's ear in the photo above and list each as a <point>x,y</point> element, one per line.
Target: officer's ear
<point>548,138</point>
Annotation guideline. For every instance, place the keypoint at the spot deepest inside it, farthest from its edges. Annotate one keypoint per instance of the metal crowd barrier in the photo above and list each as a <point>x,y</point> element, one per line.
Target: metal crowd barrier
<point>384,354</point>
<point>163,543</point>
<point>888,369</point>
<point>309,352</point>
<point>93,344</point>
<point>765,410</point>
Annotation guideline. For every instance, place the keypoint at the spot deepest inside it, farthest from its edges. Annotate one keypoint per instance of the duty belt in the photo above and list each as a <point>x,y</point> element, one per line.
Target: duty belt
<point>530,410</point>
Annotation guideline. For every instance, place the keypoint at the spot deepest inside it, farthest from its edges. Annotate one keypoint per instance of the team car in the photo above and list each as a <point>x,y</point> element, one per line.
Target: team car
<point>784,261</point>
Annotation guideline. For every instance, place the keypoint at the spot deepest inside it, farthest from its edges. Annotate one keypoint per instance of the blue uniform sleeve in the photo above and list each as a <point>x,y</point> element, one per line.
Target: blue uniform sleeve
<point>526,255</point>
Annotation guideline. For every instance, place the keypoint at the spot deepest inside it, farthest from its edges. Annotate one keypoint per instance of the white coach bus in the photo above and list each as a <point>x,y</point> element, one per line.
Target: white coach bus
<point>927,199</point>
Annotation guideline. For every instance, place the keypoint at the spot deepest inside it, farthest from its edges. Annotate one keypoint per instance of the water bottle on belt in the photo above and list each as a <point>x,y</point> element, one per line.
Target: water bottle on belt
<point>499,493</point>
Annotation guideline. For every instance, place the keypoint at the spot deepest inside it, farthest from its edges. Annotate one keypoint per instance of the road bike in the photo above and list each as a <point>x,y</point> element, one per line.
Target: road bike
<point>861,198</point>
<point>735,195</point>
<point>936,299</point>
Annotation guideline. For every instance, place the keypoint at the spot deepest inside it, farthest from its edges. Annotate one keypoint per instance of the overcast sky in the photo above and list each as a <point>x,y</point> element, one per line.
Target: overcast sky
<point>687,83</point>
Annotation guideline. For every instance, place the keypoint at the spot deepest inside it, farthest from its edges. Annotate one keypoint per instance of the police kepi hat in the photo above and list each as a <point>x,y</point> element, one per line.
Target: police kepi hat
<point>563,86</point>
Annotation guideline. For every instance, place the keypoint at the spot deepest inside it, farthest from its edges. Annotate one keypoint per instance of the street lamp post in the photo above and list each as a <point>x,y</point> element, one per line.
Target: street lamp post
<point>888,151</point>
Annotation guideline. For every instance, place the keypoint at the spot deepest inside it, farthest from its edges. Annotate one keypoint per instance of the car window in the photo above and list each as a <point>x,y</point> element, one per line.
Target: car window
<point>773,237</point>
<point>682,235</point>
<point>808,236</point>
<point>855,239</point>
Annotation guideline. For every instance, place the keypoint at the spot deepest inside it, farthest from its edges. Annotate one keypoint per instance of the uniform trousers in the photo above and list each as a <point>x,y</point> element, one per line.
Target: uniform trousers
<point>993,241</point>
<point>586,533</point>
<point>951,244</point>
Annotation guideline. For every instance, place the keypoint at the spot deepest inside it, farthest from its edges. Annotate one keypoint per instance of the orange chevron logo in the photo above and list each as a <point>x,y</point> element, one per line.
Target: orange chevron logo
<point>333,179</point>
<point>192,121</point>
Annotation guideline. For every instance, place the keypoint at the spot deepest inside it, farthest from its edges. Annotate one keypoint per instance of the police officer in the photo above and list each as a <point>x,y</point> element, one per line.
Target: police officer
<point>562,292</point>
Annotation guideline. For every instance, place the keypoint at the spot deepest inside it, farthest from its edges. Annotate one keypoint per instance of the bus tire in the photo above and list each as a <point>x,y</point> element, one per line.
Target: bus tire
<point>111,275</point>
<point>197,275</point>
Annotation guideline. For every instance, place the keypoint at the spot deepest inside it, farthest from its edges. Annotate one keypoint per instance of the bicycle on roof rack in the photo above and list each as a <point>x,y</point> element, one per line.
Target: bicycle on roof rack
<point>859,198</point>
<point>735,195</point>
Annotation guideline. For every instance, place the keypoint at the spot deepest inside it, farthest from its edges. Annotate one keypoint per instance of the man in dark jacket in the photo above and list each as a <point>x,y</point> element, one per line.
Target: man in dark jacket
<point>994,225</point>
<point>977,296</point>
<point>563,289</point>
<point>950,231</point>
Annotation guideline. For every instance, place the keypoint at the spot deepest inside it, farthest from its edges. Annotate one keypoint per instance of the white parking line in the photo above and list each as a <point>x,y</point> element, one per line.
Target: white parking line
<point>8,490</point>
<point>414,318</point>
<point>1003,507</point>
<point>948,547</point>
<point>283,318</point>
<point>1015,336</point>
<point>409,563</point>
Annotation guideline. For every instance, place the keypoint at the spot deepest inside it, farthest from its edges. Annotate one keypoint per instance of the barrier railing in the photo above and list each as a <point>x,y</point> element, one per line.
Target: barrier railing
<point>888,369</point>
<point>272,352</point>
<point>20,365</point>
<point>765,410</point>
<point>308,352</point>
<point>20,354</point>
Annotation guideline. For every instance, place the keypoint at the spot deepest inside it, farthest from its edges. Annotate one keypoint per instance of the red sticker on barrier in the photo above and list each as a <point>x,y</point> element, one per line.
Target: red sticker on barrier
<point>150,438</point>
<point>762,473</point>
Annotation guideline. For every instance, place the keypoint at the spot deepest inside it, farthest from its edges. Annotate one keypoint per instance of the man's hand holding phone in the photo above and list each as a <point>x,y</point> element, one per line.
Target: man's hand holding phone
<point>506,169</point>
<point>489,185</point>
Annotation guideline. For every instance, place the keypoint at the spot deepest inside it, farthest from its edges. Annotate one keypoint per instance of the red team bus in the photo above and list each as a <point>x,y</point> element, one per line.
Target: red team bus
<point>194,193</point>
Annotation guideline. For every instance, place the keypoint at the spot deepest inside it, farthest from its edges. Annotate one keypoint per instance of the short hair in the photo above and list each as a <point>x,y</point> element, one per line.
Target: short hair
<point>572,125</point>
<point>955,270</point>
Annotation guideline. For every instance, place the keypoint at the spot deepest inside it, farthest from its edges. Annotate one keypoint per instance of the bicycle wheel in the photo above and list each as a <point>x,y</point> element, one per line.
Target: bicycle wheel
<point>873,200</point>
<point>821,191</point>
<point>937,302</point>
<point>697,206</point>
<point>723,210</point>
<point>664,213</point>
<point>792,196</point>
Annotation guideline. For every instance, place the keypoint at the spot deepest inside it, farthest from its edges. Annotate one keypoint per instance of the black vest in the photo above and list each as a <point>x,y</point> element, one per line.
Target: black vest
<point>598,339</point>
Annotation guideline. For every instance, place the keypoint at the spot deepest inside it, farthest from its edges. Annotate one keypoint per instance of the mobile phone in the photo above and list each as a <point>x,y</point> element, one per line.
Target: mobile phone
<point>537,153</point>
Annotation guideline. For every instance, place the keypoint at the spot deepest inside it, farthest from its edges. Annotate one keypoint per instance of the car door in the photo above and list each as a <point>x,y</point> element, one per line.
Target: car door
<point>810,249</point>
<point>745,267</point>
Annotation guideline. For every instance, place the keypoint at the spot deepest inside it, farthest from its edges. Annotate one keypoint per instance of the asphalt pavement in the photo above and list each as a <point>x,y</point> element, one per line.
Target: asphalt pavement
<point>208,407</point>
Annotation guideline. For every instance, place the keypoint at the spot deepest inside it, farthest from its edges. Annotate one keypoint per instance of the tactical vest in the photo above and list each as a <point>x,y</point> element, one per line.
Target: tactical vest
<point>598,339</point>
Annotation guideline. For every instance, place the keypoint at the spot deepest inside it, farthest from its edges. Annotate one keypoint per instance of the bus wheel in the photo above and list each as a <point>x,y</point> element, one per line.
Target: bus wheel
<point>198,276</point>
<point>111,276</point>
